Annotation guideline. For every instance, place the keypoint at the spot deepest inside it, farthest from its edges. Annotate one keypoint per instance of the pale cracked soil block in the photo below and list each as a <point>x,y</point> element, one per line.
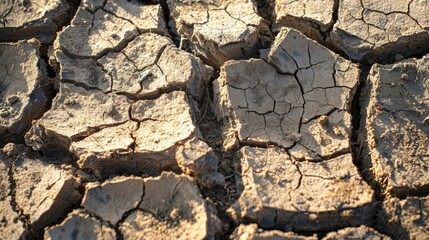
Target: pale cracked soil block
<point>219,30</point>
<point>405,219</point>
<point>252,232</point>
<point>362,232</point>
<point>172,208</point>
<point>300,97</point>
<point>395,126</point>
<point>94,30</point>
<point>75,114</point>
<point>80,225</point>
<point>301,196</point>
<point>149,65</point>
<point>372,31</point>
<point>313,18</point>
<point>111,199</point>
<point>22,81</point>
<point>32,19</point>
<point>43,192</point>
<point>160,135</point>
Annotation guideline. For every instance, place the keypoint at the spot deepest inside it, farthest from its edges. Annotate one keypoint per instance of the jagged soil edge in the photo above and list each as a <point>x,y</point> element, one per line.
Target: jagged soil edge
<point>358,105</point>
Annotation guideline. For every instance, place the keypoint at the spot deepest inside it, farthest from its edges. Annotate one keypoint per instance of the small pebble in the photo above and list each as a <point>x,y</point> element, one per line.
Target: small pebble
<point>12,99</point>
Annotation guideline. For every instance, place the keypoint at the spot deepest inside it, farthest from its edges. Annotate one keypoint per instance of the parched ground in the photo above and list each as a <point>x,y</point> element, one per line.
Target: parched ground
<point>219,119</point>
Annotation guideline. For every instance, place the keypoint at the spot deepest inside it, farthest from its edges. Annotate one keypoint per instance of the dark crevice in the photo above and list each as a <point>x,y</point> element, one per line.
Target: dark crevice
<point>222,197</point>
<point>30,234</point>
<point>166,12</point>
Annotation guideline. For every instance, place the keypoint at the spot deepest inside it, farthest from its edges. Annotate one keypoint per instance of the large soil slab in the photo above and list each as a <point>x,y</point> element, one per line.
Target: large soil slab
<point>80,225</point>
<point>32,19</point>
<point>313,18</point>
<point>301,196</point>
<point>301,97</point>
<point>169,206</point>
<point>373,31</point>
<point>395,130</point>
<point>219,30</point>
<point>405,219</point>
<point>172,208</point>
<point>22,97</point>
<point>94,30</point>
<point>42,192</point>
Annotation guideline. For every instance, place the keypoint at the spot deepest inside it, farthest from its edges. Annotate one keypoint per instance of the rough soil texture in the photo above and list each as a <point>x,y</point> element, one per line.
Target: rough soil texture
<point>299,98</point>
<point>22,81</point>
<point>301,196</point>
<point>252,232</point>
<point>219,30</point>
<point>313,18</point>
<point>32,19</point>
<point>406,219</point>
<point>375,30</point>
<point>362,232</point>
<point>219,119</point>
<point>395,134</point>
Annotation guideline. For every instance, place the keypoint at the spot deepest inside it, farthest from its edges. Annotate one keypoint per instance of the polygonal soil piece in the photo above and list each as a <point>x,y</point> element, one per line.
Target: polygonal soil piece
<point>43,191</point>
<point>405,219</point>
<point>151,65</point>
<point>84,72</point>
<point>111,199</point>
<point>94,30</point>
<point>111,143</point>
<point>362,232</point>
<point>252,232</point>
<point>172,208</point>
<point>219,30</point>
<point>32,19</point>
<point>22,78</point>
<point>308,16</point>
<point>372,31</point>
<point>301,196</point>
<point>303,90</point>
<point>76,113</point>
<point>80,225</point>
<point>395,126</point>
<point>197,159</point>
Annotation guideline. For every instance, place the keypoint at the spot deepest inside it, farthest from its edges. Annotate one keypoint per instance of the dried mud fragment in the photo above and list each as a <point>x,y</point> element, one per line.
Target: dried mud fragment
<point>151,65</point>
<point>405,219</point>
<point>219,30</point>
<point>172,208</point>
<point>76,113</point>
<point>373,31</point>
<point>111,199</point>
<point>80,225</point>
<point>252,232</point>
<point>362,232</point>
<point>395,126</point>
<point>197,159</point>
<point>32,19</point>
<point>22,81</point>
<point>95,32</point>
<point>313,18</point>
<point>300,97</point>
<point>42,191</point>
<point>301,196</point>
<point>165,124</point>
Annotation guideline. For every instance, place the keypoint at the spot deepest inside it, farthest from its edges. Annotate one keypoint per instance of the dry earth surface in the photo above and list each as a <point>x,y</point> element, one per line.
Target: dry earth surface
<point>218,119</point>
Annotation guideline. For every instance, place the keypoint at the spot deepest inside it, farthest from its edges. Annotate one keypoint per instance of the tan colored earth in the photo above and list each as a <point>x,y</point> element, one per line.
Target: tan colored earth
<point>214,119</point>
